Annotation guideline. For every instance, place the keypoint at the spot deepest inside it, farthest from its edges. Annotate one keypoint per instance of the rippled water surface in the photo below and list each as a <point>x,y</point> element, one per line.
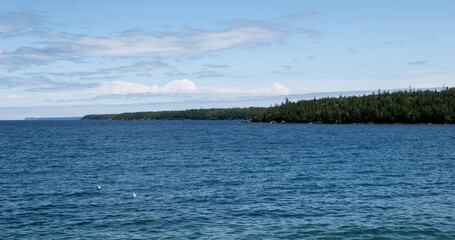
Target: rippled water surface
<point>224,179</point>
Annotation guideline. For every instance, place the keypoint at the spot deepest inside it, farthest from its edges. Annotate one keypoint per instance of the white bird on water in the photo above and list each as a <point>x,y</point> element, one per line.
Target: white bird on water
<point>99,187</point>
<point>134,194</point>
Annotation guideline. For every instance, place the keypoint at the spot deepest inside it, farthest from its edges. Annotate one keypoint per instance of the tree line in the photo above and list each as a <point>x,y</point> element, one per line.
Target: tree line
<point>193,114</point>
<point>381,107</point>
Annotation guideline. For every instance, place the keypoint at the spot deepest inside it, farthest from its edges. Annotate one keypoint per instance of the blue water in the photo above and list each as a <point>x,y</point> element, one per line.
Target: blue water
<point>225,180</point>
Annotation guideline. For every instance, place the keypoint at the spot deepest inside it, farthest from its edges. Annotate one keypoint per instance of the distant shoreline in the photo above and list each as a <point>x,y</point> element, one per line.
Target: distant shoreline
<point>278,123</point>
<point>402,107</point>
<point>51,118</point>
<point>360,123</point>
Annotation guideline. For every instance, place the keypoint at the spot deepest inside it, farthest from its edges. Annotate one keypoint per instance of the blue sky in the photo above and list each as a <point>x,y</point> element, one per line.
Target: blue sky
<point>71,58</point>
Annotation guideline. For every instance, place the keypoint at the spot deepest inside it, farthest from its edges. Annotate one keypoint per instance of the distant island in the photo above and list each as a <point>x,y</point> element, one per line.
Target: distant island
<point>53,118</point>
<point>412,107</point>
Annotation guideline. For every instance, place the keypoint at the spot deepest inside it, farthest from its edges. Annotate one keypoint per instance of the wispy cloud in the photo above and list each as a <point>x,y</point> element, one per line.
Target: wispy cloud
<point>200,74</point>
<point>11,63</point>
<point>143,45</point>
<point>216,66</point>
<point>208,74</point>
<point>427,37</point>
<point>176,73</point>
<point>11,82</point>
<point>58,86</point>
<point>417,62</point>
<point>309,32</point>
<point>40,84</point>
<point>137,67</point>
<point>17,21</point>
<point>25,57</point>
<point>285,72</point>
<point>106,73</point>
<point>10,96</point>
<point>352,51</point>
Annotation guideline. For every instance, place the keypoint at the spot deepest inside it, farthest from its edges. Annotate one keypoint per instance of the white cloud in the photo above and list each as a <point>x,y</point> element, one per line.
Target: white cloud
<point>149,45</point>
<point>120,87</point>
<point>179,87</point>
<point>11,96</point>
<point>123,88</point>
<point>274,89</point>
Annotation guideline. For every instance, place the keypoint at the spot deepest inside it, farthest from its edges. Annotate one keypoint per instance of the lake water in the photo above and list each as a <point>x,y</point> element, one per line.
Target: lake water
<point>225,180</point>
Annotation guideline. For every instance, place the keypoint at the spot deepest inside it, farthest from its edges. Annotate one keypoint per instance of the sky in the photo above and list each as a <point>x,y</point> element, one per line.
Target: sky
<point>72,58</point>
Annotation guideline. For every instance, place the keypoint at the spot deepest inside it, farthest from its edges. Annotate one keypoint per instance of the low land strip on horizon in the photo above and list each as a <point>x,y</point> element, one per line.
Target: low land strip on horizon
<point>412,107</point>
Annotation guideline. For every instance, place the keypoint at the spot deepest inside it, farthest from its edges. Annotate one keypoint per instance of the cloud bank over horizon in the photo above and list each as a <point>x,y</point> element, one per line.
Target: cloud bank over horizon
<point>183,86</point>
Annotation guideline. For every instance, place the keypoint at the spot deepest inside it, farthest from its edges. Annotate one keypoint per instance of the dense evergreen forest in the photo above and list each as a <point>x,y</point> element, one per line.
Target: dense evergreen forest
<point>381,107</point>
<point>193,114</point>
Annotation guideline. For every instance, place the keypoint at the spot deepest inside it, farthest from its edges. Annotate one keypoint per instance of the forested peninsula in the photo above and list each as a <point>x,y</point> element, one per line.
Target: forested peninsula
<point>412,107</point>
<point>193,114</point>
